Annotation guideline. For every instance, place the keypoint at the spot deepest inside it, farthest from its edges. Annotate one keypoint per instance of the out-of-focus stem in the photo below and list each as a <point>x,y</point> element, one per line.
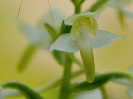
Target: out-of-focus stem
<point>75,60</point>
<point>46,87</point>
<point>104,93</point>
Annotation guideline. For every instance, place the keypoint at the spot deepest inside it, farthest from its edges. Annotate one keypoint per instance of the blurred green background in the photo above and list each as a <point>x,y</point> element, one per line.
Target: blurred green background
<point>43,68</point>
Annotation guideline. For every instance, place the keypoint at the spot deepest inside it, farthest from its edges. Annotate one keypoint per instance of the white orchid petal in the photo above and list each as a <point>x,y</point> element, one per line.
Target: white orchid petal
<point>103,38</point>
<point>70,20</point>
<point>93,94</point>
<point>130,92</point>
<point>119,3</point>
<point>33,34</point>
<point>122,81</point>
<point>57,18</point>
<point>65,43</point>
<point>128,13</point>
<point>1,96</point>
<point>86,52</point>
<point>131,70</point>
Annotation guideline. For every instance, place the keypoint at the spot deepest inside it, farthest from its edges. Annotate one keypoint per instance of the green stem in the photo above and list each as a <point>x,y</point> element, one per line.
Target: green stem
<point>77,9</point>
<point>77,5</point>
<point>75,60</point>
<point>45,87</point>
<point>26,57</point>
<point>104,93</point>
<point>64,92</point>
<point>97,6</point>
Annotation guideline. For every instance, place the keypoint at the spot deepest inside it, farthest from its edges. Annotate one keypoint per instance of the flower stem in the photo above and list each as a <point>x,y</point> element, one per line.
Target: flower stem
<point>46,87</point>
<point>75,60</point>
<point>77,9</point>
<point>77,5</point>
<point>104,93</point>
<point>64,92</point>
<point>26,57</point>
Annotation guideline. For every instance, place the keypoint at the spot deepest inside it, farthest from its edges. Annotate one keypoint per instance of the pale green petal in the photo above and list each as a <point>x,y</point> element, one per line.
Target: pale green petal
<point>1,95</point>
<point>130,92</point>
<point>36,36</point>
<point>103,38</point>
<point>131,70</point>
<point>93,94</point>
<point>86,52</point>
<point>70,20</point>
<point>128,13</point>
<point>119,3</point>
<point>65,43</point>
<point>33,35</point>
<point>122,81</point>
<point>55,20</point>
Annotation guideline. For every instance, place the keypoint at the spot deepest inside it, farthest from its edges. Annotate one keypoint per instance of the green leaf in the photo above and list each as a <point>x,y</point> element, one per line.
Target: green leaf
<point>26,57</point>
<point>99,81</point>
<point>60,57</point>
<point>51,31</point>
<point>25,90</point>
<point>121,18</point>
<point>65,28</point>
<point>97,5</point>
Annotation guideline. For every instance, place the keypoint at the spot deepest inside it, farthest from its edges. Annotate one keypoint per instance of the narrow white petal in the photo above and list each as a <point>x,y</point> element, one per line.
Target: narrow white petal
<point>70,20</point>
<point>93,94</point>
<point>119,3</point>
<point>130,92</point>
<point>1,96</point>
<point>86,52</point>
<point>103,38</point>
<point>131,70</point>
<point>122,81</point>
<point>54,20</point>
<point>128,13</point>
<point>33,34</point>
<point>65,43</point>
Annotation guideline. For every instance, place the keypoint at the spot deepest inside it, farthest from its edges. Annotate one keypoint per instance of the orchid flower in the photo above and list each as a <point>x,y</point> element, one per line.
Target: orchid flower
<point>119,5</point>
<point>127,82</point>
<point>130,85</point>
<point>1,95</point>
<point>93,94</point>
<point>84,36</point>
<point>39,35</point>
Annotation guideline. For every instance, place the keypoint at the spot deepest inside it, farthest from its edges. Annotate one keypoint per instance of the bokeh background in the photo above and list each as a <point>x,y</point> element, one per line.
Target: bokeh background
<point>43,68</point>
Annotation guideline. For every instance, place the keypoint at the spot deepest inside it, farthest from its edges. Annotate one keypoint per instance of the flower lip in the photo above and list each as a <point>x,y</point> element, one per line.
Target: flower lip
<point>85,22</point>
<point>70,20</point>
<point>119,3</point>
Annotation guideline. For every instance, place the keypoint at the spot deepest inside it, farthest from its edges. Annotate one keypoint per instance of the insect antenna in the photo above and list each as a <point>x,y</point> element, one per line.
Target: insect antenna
<point>51,13</point>
<point>19,8</point>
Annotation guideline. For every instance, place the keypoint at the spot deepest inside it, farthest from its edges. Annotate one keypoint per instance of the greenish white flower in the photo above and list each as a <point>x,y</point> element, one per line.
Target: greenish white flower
<point>84,36</point>
<point>1,95</point>
<point>130,85</point>
<point>127,82</point>
<point>93,94</point>
<point>39,35</point>
<point>119,5</point>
